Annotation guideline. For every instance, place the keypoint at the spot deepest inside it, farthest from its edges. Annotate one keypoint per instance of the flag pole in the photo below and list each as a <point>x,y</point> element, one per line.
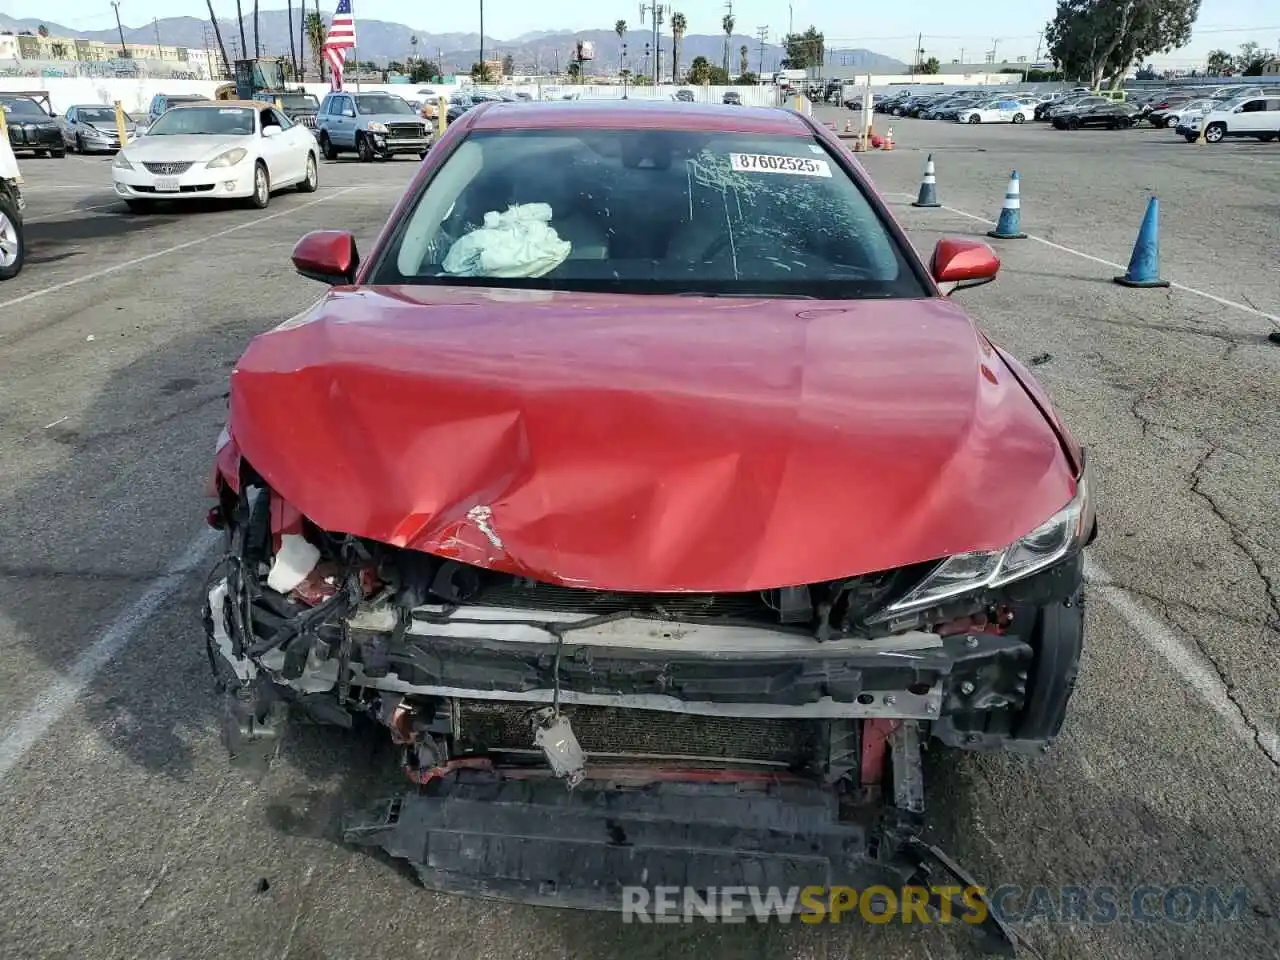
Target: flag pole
<point>355,49</point>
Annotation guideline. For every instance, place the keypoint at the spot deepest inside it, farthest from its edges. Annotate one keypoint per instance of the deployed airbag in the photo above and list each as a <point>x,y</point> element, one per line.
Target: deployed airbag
<point>518,242</point>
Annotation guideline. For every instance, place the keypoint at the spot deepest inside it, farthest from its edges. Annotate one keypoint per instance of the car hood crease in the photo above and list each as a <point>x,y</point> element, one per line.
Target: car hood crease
<point>648,443</point>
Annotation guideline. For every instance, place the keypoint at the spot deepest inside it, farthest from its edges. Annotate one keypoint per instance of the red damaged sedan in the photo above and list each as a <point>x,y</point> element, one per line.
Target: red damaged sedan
<point>652,493</point>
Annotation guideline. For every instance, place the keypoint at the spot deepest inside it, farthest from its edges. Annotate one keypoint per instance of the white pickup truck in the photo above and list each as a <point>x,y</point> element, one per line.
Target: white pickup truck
<point>12,241</point>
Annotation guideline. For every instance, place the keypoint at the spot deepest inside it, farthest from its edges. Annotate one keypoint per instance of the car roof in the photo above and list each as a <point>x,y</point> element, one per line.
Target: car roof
<point>638,115</point>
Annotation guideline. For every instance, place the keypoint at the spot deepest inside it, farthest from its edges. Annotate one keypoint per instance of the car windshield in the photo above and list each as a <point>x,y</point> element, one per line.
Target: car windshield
<point>95,115</point>
<point>24,108</point>
<point>224,121</point>
<point>299,101</point>
<point>377,103</point>
<point>647,212</point>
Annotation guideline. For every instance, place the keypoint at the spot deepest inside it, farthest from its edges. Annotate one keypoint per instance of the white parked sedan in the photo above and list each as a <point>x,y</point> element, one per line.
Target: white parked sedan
<point>996,111</point>
<point>223,149</point>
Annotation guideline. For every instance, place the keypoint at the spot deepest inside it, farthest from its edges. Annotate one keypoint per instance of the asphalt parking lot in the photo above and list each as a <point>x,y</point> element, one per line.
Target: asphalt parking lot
<point>123,832</point>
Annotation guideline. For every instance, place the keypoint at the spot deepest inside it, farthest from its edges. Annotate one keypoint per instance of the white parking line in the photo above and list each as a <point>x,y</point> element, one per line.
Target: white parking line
<point>1189,665</point>
<point>1275,320</point>
<point>96,274</point>
<point>53,702</point>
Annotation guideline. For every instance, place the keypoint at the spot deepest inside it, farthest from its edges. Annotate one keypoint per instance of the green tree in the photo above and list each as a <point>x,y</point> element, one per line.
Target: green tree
<point>424,71</point>
<point>575,71</point>
<point>1221,63</point>
<point>1099,40</point>
<point>678,26</point>
<point>699,70</point>
<point>1252,59</point>
<point>316,32</point>
<point>931,66</point>
<point>719,77</point>
<point>395,66</point>
<point>743,62</point>
<point>42,30</point>
<point>480,73</point>
<point>805,50</point>
<point>727,24</point>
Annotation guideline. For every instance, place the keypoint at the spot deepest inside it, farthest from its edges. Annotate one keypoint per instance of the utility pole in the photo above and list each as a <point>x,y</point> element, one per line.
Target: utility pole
<point>156,23</point>
<point>482,73</point>
<point>791,17</point>
<point>1039,43</point>
<point>124,51</point>
<point>919,51</point>
<point>656,10</point>
<point>762,34</point>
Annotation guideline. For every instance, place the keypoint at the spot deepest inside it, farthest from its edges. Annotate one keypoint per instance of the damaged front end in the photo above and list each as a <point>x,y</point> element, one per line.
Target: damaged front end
<point>769,738</point>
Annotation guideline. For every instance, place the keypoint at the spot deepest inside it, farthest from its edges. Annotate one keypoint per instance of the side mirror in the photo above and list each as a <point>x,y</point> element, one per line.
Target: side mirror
<point>958,264</point>
<point>271,130</point>
<point>328,256</point>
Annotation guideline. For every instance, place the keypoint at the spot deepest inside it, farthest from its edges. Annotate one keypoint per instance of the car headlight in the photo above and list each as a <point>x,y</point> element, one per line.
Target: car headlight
<point>228,159</point>
<point>95,134</point>
<point>121,162</point>
<point>1060,535</point>
<point>377,128</point>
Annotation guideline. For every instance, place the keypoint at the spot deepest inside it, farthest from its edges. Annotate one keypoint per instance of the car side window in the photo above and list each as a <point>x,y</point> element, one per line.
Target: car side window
<point>70,115</point>
<point>280,120</point>
<point>265,119</point>
<point>1254,106</point>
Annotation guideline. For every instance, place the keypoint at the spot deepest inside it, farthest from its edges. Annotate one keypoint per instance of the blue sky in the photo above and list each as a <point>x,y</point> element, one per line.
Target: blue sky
<point>950,28</point>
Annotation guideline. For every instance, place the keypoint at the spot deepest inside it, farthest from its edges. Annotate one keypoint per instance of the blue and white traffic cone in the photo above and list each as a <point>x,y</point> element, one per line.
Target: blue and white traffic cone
<point>1144,264</point>
<point>1009,226</point>
<point>928,187</point>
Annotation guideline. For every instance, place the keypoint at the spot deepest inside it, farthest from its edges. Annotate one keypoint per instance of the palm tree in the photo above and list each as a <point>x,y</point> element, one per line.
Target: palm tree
<point>315,36</point>
<point>244,47</point>
<point>727,25</point>
<point>257,49</point>
<point>678,26</point>
<point>743,63</point>
<point>620,28</point>
<point>292,58</point>
<point>42,30</point>
<point>217,32</point>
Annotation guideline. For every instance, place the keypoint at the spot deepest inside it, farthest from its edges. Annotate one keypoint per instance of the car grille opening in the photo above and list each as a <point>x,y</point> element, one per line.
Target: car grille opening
<point>405,131</point>
<point>487,726</point>
<point>167,169</point>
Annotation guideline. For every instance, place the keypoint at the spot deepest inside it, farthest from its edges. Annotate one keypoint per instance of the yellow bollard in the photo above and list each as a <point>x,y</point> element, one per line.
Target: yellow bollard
<point>442,115</point>
<point>120,127</point>
<point>4,122</point>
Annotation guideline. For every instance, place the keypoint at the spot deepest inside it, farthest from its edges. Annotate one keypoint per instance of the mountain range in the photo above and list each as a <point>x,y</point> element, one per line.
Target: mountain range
<point>382,41</point>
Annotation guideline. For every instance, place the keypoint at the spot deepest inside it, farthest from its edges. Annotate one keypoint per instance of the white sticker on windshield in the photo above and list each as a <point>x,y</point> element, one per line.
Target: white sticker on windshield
<point>767,163</point>
<point>231,111</point>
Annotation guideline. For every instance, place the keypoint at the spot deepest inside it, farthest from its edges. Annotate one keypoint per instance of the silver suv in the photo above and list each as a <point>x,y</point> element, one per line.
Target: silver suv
<point>372,125</point>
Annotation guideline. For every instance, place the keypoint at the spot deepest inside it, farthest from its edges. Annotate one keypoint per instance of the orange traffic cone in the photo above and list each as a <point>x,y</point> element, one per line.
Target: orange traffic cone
<point>888,139</point>
<point>848,126</point>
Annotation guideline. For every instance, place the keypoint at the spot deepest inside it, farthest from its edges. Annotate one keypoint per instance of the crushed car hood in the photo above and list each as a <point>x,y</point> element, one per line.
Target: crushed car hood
<point>648,443</point>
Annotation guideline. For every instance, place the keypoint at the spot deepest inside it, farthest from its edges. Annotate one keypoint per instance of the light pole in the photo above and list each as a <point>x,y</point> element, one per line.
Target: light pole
<point>124,51</point>
<point>482,73</point>
<point>791,26</point>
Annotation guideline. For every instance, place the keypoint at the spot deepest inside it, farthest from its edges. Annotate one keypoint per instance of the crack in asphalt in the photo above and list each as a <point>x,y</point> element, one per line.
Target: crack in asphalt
<point>1237,537</point>
<point>1167,604</point>
<point>1269,750</point>
<point>1145,422</point>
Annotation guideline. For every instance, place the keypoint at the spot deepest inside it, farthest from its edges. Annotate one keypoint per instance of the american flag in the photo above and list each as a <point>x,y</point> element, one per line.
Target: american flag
<point>340,38</point>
